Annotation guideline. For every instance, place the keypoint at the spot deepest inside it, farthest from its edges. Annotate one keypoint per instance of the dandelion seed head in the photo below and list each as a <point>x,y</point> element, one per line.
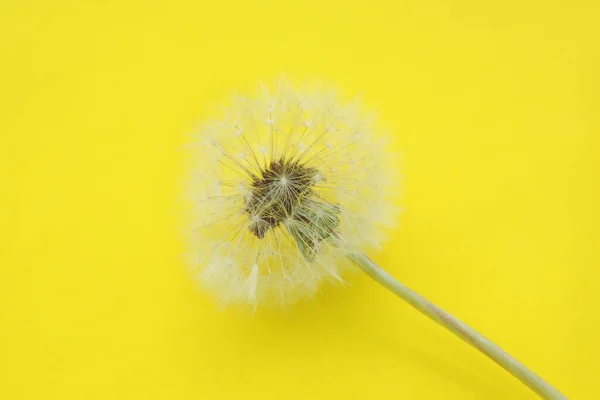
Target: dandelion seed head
<point>289,181</point>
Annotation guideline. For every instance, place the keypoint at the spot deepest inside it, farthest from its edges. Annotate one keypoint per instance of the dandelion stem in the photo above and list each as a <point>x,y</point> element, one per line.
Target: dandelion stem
<point>460,329</point>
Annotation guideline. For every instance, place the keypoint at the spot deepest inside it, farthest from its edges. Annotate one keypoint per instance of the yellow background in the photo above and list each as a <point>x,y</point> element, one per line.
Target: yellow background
<point>494,106</point>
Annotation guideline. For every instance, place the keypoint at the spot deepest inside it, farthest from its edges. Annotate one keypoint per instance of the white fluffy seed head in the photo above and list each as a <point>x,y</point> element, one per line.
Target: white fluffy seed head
<point>285,184</point>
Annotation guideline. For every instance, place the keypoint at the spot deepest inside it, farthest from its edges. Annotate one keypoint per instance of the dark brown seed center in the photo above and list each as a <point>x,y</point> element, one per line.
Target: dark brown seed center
<point>276,193</point>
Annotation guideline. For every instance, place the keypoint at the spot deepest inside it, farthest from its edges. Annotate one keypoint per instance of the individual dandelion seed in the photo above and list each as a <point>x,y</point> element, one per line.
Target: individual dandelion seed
<point>290,188</point>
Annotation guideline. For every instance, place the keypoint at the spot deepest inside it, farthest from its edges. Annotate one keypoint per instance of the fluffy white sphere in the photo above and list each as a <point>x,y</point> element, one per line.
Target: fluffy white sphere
<point>285,184</point>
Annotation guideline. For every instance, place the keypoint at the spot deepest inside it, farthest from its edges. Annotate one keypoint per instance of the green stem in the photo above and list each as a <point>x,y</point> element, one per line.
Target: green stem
<point>460,329</point>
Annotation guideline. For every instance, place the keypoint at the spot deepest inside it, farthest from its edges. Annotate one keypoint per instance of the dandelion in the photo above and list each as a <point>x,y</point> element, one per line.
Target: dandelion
<point>290,188</point>
<point>286,184</point>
